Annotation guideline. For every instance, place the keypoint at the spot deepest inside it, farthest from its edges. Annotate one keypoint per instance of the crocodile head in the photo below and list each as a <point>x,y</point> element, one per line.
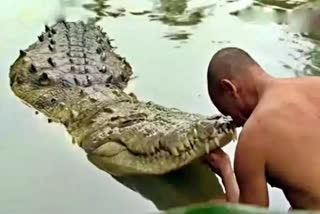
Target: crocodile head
<point>163,151</point>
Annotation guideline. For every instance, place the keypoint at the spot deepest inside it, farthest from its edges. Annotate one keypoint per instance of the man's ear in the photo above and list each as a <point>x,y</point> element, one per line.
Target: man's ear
<point>228,86</point>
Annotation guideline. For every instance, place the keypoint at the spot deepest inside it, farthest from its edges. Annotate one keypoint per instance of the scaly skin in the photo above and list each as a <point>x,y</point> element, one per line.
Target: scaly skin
<point>73,76</point>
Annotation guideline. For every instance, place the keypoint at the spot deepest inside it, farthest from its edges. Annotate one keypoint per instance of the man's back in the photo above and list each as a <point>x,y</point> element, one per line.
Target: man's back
<point>287,121</point>
<point>280,139</point>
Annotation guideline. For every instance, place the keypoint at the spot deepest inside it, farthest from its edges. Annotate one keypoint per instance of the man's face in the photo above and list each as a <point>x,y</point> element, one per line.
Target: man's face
<point>229,103</point>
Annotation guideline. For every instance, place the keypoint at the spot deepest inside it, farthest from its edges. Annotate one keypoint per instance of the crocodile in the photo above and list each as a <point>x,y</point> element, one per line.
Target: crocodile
<point>73,76</point>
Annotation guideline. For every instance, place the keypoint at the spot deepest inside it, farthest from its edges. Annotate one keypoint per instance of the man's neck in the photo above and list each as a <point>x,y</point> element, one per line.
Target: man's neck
<point>262,80</point>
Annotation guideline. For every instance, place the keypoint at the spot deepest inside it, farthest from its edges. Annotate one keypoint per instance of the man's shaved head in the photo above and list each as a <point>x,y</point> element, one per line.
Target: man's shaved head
<point>228,63</point>
<point>230,76</point>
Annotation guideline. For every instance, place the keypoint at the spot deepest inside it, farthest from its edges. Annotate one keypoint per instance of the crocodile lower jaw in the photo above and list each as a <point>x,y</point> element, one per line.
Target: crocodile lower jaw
<point>119,160</point>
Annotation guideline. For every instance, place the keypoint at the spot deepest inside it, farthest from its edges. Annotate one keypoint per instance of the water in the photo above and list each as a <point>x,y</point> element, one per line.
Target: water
<point>169,44</point>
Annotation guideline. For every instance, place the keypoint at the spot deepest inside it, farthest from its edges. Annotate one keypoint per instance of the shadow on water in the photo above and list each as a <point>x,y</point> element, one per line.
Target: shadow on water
<point>194,183</point>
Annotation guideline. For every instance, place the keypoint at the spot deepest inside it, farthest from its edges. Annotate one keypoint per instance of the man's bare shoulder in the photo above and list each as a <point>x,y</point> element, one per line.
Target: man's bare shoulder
<point>260,121</point>
<point>263,123</point>
<point>271,119</point>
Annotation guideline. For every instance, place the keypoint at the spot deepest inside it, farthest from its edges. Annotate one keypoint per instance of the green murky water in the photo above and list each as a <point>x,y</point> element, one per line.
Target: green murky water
<point>168,43</point>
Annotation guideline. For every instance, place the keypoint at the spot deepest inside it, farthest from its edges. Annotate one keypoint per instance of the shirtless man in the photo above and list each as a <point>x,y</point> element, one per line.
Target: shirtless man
<point>280,138</point>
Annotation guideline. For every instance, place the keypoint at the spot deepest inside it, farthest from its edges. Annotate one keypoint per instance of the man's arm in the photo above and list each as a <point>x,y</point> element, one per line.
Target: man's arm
<point>249,165</point>
<point>249,186</point>
<point>220,163</point>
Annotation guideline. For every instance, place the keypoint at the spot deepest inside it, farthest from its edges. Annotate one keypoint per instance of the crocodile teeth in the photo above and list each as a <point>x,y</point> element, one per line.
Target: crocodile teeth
<point>184,156</point>
<point>153,150</point>
<point>207,148</point>
<point>214,132</point>
<point>216,142</point>
<point>181,147</point>
<point>157,144</point>
<point>234,135</point>
<point>195,132</point>
<point>162,154</point>
<point>187,143</point>
<point>174,151</point>
<point>224,127</point>
<point>74,113</point>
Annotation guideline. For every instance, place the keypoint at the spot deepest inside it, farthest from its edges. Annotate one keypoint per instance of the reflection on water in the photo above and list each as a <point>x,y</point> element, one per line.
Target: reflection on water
<point>175,12</point>
<point>303,19</point>
<point>257,13</point>
<point>173,7</point>
<point>43,173</point>
<point>68,3</point>
<point>168,12</point>
<point>306,19</point>
<point>312,68</point>
<point>182,35</point>
<point>194,183</point>
<point>101,8</point>
<point>283,3</point>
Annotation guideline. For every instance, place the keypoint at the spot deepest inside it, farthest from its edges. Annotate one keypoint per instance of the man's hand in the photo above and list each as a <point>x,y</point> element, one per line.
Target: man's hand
<point>219,162</point>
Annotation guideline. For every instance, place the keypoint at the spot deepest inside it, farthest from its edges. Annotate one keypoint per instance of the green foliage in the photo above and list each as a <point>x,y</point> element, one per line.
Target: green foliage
<point>229,209</point>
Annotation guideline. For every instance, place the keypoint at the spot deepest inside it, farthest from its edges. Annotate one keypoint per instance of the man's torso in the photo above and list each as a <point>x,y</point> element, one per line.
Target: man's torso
<point>289,112</point>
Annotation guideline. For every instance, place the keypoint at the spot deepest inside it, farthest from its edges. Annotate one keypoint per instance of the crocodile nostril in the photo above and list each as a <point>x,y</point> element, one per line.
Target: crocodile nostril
<point>44,79</point>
